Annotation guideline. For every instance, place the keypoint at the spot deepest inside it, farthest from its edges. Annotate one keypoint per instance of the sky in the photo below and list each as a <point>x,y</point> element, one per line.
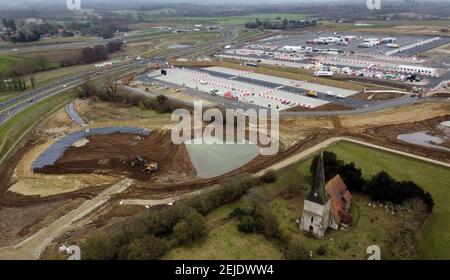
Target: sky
<point>26,3</point>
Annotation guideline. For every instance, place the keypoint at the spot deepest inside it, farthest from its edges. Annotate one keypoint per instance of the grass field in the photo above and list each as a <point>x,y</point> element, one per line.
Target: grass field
<point>224,241</point>
<point>370,225</point>
<point>233,20</point>
<point>15,128</point>
<point>435,236</point>
<point>7,63</point>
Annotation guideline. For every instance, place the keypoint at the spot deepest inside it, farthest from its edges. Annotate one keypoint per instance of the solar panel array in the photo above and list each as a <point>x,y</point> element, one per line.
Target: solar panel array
<point>73,115</point>
<point>56,150</point>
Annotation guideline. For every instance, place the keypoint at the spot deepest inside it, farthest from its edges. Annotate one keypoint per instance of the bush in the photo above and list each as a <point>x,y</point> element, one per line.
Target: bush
<point>269,223</point>
<point>190,229</point>
<point>238,212</point>
<point>293,189</point>
<point>382,187</point>
<point>147,248</point>
<point>295,250</point>
<point>269,177</point>
<point>246,224</point>
<point>322,250</point>
<point>99,247</point>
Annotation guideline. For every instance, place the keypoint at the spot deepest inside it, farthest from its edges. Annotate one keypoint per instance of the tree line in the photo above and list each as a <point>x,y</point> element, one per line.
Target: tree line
<point>380,187</point>
<point>110,93</point>
<point>153,234</point>
<point>284,24</point>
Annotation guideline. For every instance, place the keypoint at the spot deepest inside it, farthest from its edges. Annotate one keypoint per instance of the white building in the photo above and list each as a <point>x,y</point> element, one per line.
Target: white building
<point>292,48</point>
<point>416,70</point>
<point>326,205</point>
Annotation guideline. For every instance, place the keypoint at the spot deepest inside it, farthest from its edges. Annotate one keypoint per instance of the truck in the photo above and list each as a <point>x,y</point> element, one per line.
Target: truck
<point>230,96</point>
<point>251,64</point>
<point>394,46</point>
<point>311,93</point>
<point>323,74</point>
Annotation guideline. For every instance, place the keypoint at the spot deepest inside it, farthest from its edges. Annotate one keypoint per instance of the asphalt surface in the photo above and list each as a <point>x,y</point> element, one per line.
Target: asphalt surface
<point>370,106</point>
<point>320,95</point>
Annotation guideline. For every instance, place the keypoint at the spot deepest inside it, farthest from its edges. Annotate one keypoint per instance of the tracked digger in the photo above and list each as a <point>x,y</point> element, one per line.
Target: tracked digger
<point>148,167</point>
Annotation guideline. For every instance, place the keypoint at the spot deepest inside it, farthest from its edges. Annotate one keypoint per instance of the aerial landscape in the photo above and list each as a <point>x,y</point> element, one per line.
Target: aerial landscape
<point>185,130</point>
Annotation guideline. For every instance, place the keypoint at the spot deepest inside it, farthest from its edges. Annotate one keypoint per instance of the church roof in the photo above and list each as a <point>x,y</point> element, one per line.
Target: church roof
<point>340,200</point>
<point>317,193</point>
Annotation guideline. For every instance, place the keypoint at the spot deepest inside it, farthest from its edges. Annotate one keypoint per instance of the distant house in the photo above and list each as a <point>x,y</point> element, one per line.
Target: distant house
<point>326,205</point>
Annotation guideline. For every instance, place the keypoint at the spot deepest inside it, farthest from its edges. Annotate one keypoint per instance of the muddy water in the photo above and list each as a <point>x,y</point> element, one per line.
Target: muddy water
<point>424,138</point>
<point>217,159</point>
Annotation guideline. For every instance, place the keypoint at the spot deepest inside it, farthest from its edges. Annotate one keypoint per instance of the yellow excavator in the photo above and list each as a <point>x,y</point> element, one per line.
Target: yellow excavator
<point>149,167</point>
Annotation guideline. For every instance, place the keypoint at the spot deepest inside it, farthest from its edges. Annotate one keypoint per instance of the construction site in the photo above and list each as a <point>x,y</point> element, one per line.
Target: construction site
<point>95,163</point>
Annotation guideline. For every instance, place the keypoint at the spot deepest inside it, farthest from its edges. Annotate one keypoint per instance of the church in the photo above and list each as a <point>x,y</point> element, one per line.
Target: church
<point>326,205</point>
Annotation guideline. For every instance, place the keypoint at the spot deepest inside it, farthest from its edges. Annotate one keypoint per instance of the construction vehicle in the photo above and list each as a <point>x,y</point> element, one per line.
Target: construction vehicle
<point>148,167</point>
<point>151,167</point>
<point>311,93</point>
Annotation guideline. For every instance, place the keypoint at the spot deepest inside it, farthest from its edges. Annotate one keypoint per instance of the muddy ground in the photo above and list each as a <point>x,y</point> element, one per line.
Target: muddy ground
<point>18,213</point>
<point>390,132</point>
<point>377,96</point>
<point>115,154</point>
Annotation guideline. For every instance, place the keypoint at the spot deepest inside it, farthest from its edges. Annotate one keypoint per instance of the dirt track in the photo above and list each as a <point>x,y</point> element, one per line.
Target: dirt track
<point>32,247</point>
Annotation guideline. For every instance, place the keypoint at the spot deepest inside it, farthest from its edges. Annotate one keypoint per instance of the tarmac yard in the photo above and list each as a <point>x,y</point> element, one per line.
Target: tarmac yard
<point>253,88</point>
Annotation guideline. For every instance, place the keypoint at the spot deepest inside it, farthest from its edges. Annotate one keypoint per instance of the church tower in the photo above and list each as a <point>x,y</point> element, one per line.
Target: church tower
<point>316,208</point>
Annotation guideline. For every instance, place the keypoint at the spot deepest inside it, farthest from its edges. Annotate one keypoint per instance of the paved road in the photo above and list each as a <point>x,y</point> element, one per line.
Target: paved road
<point>33,246</point>
<point>21,49</point>
<point>11,107</point>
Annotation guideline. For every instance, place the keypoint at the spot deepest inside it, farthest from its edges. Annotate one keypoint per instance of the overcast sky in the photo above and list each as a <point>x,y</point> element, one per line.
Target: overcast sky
<point>27,3</point>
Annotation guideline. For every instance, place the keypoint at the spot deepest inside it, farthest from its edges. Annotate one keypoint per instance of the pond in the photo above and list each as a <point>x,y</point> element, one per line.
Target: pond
<point>217,159</point>
<point>425,138</point>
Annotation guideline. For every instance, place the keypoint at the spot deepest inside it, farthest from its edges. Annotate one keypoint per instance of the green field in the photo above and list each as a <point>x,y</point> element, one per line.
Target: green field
<point>233,20</point>
<point>370,225</point>
<point>224,241</point>
<point>7,63</point>
<point>435,237</point>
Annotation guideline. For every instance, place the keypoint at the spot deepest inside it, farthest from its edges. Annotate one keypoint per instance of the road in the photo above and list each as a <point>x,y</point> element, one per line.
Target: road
<point>11,107</point>
<point>28,47</point>
<point>33,246</point>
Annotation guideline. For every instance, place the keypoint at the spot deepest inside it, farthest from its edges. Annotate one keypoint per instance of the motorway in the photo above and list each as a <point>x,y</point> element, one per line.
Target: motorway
<point>11,107</point>
<point>14,105</point>
<point>18,49</point>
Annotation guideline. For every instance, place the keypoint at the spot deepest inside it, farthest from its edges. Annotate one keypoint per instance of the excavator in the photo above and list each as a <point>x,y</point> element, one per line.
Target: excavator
<point>149,167</point>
